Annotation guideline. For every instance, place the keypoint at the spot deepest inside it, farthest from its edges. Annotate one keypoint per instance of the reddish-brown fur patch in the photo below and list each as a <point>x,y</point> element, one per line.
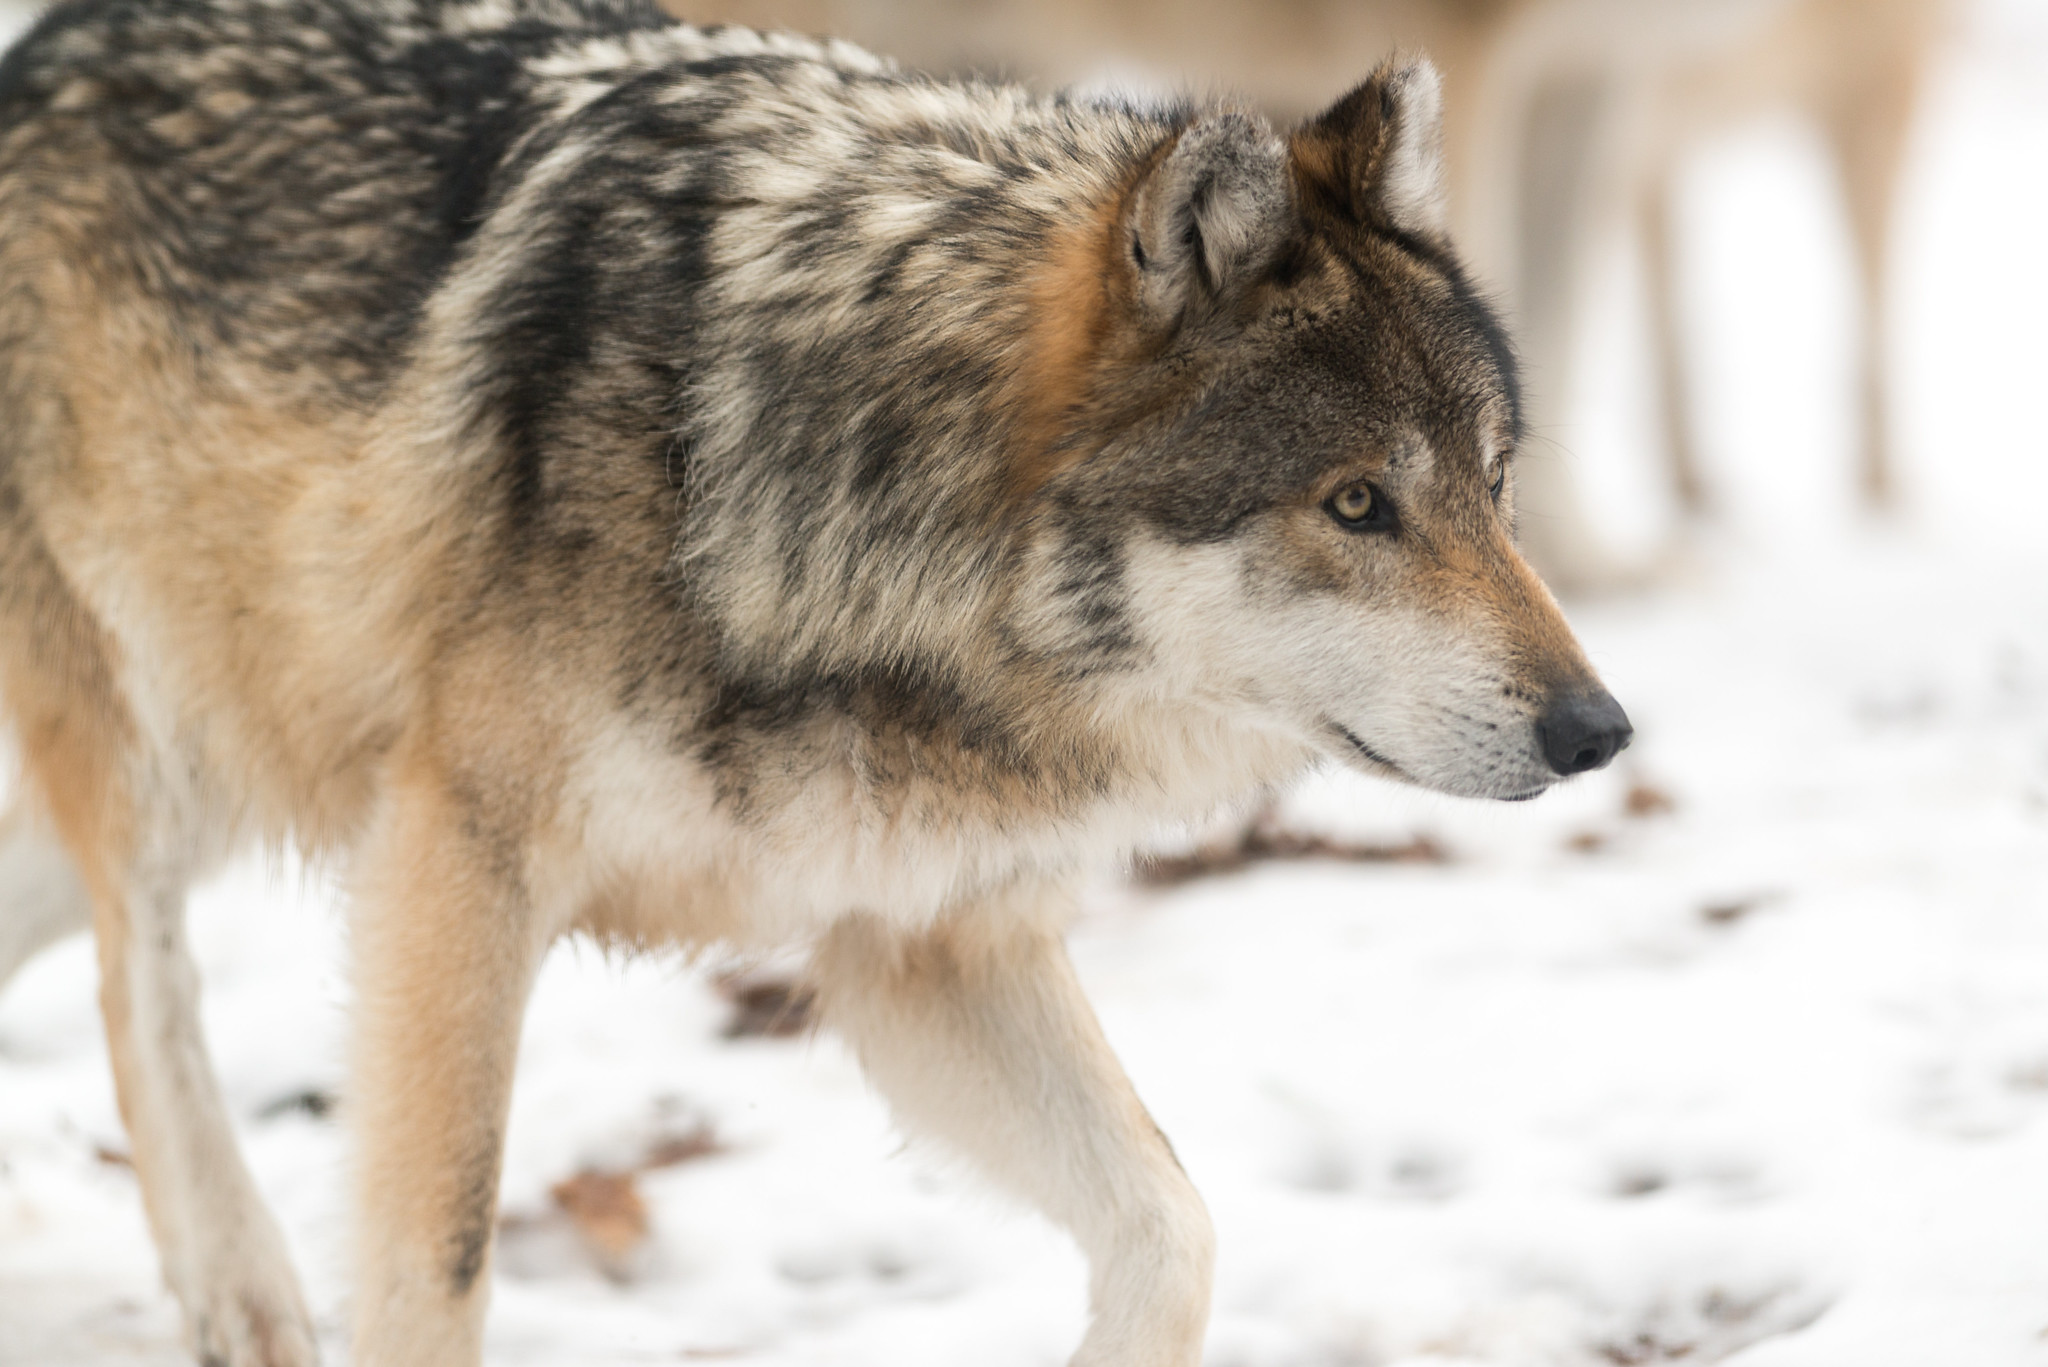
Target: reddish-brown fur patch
<point>1082,306</point>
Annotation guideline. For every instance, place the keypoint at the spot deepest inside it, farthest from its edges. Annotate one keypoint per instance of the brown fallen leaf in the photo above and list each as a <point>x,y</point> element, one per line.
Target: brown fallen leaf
<point>2028,1077</point>
<point>604,1206</point>
<point>1587,842</point>
<point>1645,1349</point>
<point>609,1214</point>
<point>1262,839</point>
<point>671,1150</point>
<point>1729,912</point>
<point>313,1101</point>
<point>1646,800</point>
<point>766,1007</point>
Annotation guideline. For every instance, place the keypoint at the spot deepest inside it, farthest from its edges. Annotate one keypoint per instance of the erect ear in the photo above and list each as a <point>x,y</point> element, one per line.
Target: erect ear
<point>1208,215</point>
<point>1377,154</point>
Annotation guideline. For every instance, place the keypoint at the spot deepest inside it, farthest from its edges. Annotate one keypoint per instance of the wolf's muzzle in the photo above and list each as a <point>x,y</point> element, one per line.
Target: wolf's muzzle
<point>1583,730</point>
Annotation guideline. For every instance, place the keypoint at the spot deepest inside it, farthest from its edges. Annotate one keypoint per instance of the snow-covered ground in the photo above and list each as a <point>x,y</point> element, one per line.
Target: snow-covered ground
<point>1760,1079</point>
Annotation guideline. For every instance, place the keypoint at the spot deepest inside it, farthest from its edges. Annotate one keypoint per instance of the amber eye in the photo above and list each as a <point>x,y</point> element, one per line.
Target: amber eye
<point>1358,507</point>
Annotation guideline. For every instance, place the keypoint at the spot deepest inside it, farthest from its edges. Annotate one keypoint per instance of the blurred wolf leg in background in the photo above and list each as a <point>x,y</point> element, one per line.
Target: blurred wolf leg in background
<point>42,900</point>
<point>1867,118</point>
<point>1675,412</point>
<point>223,1254</point>
<point>1555,179</point>
<point>1855,70</point>
<point>1865,124</point>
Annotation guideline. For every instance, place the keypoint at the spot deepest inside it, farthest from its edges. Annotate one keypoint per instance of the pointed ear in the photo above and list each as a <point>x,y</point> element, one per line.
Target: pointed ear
<point>1209,215</point>
<point>1377,154</point>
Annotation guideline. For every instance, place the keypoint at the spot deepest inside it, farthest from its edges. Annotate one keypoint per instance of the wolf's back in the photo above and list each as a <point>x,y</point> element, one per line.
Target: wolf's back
<point>291,180</point>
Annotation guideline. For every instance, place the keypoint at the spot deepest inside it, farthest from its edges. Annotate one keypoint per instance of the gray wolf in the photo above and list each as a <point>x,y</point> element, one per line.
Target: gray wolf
<point>696,486</point>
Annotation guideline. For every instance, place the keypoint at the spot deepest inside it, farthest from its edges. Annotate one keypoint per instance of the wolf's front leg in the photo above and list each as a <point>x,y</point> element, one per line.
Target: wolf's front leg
<point>978,1034</point>
<point>446,945</point>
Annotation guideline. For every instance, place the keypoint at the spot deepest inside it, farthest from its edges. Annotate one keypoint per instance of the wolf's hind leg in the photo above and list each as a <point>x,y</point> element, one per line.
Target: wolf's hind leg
<point>1677,410</point>
<point>41,898</point>
<point>1867,126</point>
<point>223,1254</point>
<point>979,1035</point>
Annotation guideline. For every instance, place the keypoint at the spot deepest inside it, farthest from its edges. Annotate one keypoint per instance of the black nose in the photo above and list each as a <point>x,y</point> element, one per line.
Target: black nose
<point>1583,731</point>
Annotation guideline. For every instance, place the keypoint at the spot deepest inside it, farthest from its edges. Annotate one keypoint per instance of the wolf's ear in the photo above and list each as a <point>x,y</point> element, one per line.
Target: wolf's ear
<point>1209,215</point>
<point>1378,152</point>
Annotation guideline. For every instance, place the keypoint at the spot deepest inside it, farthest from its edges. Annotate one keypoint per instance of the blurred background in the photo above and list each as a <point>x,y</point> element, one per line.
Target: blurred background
<point>1735,1053</point>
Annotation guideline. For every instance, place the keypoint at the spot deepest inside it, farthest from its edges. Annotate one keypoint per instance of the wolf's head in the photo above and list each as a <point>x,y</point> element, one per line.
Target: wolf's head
<point>1282,457</point>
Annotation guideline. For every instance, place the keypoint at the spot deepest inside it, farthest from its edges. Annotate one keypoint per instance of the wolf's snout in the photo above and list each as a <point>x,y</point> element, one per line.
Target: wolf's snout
<point>1583,731</point>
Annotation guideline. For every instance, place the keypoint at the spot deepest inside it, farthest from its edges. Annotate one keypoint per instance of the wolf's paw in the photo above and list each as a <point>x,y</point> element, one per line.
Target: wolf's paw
<point>247,1326</point>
